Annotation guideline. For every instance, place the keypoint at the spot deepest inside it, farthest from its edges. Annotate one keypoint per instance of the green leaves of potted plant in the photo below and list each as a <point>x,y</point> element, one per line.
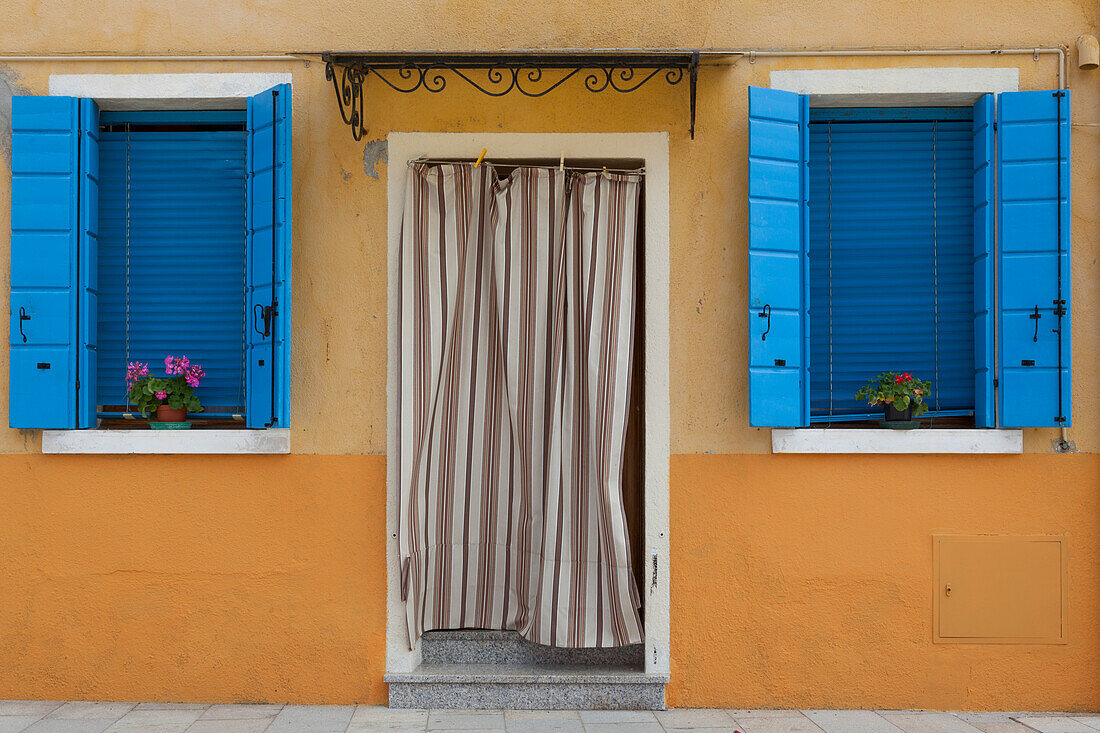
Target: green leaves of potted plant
<point>171,397</point>
<point>902,397</point>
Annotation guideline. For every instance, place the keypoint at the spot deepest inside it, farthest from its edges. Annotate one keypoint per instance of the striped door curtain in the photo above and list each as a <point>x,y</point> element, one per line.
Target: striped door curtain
<point>517,314</point>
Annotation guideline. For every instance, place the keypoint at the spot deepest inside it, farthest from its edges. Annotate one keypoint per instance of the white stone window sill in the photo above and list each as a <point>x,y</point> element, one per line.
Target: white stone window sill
<point>928,440</point>
<point>271,441</point>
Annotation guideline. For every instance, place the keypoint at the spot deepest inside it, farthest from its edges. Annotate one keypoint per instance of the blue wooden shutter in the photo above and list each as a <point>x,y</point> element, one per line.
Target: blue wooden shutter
<point>983,262</point>
<point>44,244</point>
<point>268,259</point>
<point>1033,177</point>
<point>778,349</point>
<point>88,261</point>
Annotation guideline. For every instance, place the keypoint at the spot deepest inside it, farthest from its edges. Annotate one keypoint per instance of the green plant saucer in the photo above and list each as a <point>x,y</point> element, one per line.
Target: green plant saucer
<point>156,425</point>
<point>897,424</point>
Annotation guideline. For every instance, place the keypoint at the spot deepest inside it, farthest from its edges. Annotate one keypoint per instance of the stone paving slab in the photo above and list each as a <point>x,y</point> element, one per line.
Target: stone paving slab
<point>20,716</point>
<point>850,721</point>
<point>924,722</point>
<point>777,721</point>
<point>1053,724</point>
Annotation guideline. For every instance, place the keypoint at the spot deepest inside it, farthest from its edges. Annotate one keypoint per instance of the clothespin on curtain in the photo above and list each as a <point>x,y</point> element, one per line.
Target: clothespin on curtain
<point>481,157</point>
<point>561,163</point>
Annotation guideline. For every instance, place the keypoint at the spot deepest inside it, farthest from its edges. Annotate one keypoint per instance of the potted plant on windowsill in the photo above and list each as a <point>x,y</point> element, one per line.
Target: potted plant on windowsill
<point>171,397</point>
<point>901,395</point>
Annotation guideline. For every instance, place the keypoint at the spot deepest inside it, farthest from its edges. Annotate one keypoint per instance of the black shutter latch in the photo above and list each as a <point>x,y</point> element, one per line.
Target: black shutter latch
<point>766,313</point>
<point>23,317</point>
<point>267,313</point>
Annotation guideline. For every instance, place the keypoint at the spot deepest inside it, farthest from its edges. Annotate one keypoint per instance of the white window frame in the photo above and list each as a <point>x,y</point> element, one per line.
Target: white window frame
<point>161,92</point>
<point>928,86</point>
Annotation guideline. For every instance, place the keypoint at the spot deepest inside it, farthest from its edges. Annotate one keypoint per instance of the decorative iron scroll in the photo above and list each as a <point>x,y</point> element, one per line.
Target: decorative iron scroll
<point>499,74</point>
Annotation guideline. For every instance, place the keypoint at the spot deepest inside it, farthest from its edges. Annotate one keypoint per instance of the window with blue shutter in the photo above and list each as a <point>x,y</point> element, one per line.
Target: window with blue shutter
<point>892,268</point>
<point>1033,177</point>
<point>778,356</point>
<point>892,255</point>
<point>141,234</point>
<point>172,251</point>
<point>268,254</point>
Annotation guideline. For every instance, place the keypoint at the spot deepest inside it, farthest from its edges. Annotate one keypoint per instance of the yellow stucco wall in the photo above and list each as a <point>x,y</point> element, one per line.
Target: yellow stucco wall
<point>262,578</point>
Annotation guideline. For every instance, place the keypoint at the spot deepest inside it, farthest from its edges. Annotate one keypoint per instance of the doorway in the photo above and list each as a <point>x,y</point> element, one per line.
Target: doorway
<point>649,424</point>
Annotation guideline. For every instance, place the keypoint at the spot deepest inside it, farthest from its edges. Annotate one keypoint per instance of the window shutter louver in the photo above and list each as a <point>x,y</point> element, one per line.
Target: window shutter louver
<point>45,227</point>
<point>778,348</point>
<point>983,262</point>
<point>268,258</point>
<point>1033,182</point>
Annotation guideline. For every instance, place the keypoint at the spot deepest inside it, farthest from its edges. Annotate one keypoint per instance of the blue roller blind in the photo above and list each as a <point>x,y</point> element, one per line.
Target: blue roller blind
<point>891,252</point>
<point>172,251</point>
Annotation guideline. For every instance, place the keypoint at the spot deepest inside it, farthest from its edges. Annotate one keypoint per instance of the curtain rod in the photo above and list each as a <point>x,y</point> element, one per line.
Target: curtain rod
<point>492,164</point>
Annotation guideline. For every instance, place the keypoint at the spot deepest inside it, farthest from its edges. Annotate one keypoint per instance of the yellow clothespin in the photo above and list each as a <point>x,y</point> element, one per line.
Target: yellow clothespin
<point>481,157</point>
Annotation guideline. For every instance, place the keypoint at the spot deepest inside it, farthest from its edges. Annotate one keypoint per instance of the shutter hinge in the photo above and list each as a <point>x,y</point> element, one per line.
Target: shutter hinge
<point>994,126</point>
<point>996,382</point>
<point>1059,93</point>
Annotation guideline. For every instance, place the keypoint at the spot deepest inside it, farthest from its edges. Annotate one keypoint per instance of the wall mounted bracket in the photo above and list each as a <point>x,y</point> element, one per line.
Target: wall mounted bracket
<point>499,73</point>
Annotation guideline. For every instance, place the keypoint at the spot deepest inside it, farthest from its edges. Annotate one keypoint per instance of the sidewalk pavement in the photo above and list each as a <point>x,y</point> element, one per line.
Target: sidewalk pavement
<point>17,716</point>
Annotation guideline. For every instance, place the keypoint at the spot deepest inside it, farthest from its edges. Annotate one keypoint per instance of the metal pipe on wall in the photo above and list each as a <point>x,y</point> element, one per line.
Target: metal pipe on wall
<point>752,54</point>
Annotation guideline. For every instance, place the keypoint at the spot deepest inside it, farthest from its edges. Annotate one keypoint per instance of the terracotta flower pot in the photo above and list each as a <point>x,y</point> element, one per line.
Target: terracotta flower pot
<point>167,414</point>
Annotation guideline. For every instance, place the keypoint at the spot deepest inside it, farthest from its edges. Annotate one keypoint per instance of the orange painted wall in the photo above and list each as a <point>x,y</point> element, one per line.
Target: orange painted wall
<point>173,578</point>
<point>806,581</point>
<point>797,580</point>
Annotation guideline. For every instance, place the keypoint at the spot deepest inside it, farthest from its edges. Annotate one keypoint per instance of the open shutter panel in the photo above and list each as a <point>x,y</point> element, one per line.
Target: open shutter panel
<point>88,264</point>
<point>983,262</point>
<point>778,328</point>
<point>267,371</point>
<point>44,245</point>
<point>1033,192</point>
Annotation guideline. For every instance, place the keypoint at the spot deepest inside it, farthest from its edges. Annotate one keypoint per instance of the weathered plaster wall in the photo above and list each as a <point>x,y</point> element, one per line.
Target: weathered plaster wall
<point>263,578</point>
<point>805,581</point>
<point>236,579</point>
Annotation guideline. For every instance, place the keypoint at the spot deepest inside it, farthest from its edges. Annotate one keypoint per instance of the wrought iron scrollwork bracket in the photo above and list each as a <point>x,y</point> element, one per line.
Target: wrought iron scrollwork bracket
<point>499,74</point>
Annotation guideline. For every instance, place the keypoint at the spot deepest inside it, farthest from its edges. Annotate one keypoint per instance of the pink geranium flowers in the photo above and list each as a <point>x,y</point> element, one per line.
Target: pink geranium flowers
<point>182,366</point>
<point>176,390</point>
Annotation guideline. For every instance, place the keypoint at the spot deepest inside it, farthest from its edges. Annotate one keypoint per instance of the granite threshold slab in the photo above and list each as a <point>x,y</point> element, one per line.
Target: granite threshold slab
<point>525,673</point>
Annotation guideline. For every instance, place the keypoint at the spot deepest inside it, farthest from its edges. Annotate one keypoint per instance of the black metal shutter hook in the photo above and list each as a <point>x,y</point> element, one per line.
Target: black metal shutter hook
<point>766,313</point>
<point>23,317</point>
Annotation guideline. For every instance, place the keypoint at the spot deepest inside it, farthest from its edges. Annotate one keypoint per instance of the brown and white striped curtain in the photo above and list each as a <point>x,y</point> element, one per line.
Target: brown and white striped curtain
<point>517,313</point>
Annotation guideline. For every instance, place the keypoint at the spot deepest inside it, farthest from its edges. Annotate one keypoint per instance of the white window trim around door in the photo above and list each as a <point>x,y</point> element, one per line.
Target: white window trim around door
<point>652,148</point>
<point>914,86</point>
